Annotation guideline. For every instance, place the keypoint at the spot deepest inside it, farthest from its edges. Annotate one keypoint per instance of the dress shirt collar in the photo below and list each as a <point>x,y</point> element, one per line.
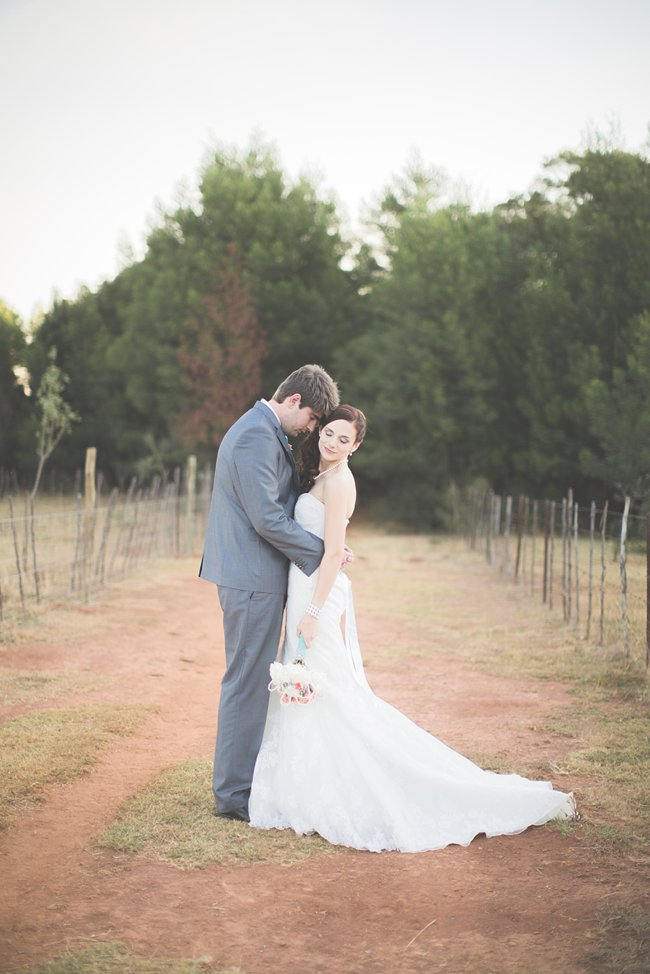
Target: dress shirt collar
<point>273,413</point>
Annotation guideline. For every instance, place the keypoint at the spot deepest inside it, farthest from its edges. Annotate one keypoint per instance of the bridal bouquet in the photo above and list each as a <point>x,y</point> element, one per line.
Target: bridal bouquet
<point>295,682</point>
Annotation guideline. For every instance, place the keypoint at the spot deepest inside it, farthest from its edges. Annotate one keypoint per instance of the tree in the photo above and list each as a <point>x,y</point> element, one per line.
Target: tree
<point>584,243</point>
<point>120,345</point>
<point>619,417</point>
<point>419,371</point>
<point>55,417</point>
<point>15,405</point>
<point>220,353</point>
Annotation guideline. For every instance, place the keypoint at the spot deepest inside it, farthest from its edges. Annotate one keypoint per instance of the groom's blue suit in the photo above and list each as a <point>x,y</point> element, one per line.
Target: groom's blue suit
<point>250,539</point>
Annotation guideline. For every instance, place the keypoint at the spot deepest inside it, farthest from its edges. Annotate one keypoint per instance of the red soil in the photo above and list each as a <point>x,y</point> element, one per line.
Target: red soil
<point>524,903</point>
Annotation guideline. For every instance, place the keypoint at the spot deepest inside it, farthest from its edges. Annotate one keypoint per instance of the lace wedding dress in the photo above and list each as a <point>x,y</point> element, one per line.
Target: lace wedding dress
<point>357,771</point>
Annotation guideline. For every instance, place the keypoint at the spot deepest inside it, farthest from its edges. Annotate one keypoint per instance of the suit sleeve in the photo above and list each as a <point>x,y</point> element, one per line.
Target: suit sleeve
<point>256,478</point>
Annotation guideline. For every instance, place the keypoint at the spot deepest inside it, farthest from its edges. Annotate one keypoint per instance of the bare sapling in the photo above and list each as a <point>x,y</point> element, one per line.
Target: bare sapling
<point>55,416</point>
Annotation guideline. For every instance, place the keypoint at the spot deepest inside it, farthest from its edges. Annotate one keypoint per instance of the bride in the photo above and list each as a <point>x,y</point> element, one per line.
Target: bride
<point>348,765</point>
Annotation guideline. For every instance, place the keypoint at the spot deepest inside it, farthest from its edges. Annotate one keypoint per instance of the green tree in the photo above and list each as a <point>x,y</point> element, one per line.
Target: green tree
<point>619,418</point>
<point>15,405</point>
<point>419,372</point>
<point>586,240</point>
<point>120,345</point>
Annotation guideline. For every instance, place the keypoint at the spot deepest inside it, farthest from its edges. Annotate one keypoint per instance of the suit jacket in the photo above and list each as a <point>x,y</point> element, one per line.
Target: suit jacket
<point>251,535</point>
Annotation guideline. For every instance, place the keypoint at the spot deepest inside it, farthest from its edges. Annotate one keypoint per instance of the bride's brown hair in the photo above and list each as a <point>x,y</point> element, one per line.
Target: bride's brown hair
<point>309,457</point>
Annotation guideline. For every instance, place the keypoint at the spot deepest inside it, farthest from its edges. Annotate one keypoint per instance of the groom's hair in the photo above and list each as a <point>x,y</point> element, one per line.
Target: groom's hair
<point>317,389</point>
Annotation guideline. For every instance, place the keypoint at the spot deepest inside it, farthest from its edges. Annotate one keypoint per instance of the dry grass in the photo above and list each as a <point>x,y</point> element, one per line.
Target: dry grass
<point>35,686</point>
<point>55,746</point>
<point>114,958</point>
<point>621,942</point>
<point>612,752</point>
<point>74,621</point>
<point>172,820</point>
<point>447,600</point>
<point>43,559</point>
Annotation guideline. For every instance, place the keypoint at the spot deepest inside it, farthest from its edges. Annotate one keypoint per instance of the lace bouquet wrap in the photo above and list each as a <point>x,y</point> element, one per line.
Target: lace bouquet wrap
<point>295,682</point>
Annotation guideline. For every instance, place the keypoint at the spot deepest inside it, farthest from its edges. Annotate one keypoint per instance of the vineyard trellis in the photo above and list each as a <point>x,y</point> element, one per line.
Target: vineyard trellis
<point>549,557</point>
<point>52,551</point>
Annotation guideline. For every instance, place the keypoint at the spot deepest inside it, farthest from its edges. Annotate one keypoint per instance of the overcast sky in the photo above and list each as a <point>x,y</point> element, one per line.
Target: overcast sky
<point>107,104</point>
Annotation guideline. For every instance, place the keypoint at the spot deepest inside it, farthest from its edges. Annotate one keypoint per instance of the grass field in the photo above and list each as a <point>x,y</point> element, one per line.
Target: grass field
<point>114,958</point>
<point>55,746</point>
<point>172,820</point>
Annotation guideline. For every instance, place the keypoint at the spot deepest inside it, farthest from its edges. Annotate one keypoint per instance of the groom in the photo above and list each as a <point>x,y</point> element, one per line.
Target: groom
<point>251,538</point>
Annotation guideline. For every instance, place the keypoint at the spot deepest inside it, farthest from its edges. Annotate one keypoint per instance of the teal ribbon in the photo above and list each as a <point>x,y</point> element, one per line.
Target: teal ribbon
<point>302,647</point>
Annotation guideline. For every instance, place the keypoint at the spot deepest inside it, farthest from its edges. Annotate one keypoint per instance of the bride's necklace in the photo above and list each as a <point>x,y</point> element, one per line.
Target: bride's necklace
<point>329,469</point>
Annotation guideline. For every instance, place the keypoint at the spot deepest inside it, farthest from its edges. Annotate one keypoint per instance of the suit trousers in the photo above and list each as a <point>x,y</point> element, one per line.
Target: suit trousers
<point>252,622</point>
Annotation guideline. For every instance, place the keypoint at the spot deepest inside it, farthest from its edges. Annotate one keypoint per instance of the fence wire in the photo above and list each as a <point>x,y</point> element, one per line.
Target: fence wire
<point>53,551</point>
<point>588,563</point>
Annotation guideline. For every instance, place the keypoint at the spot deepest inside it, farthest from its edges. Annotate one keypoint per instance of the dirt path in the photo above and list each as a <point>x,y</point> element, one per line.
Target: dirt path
<point>522,903</point>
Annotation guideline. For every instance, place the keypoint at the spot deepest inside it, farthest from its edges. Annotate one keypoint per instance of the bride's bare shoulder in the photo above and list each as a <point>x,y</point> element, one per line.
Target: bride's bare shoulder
<point>341,485</point>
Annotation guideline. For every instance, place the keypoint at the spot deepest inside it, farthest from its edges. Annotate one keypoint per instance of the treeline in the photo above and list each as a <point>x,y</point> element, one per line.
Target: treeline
<point>511,344</point>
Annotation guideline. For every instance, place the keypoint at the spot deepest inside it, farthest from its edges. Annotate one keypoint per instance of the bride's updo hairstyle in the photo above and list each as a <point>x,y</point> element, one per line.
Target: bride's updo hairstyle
<point>309,457</point>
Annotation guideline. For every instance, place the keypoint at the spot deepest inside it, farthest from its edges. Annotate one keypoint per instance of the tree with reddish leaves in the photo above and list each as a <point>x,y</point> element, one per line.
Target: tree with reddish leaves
<point>220,353</point>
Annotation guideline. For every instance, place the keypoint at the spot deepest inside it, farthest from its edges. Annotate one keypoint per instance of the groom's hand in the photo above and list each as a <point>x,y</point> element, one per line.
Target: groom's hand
<point>348,558</point>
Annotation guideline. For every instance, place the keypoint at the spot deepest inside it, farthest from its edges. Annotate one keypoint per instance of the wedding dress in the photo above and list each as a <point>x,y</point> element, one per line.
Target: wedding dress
<point>352,768</point>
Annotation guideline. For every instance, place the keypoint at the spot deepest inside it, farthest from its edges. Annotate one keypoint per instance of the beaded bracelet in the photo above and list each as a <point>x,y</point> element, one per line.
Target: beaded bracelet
<point>313,610</point>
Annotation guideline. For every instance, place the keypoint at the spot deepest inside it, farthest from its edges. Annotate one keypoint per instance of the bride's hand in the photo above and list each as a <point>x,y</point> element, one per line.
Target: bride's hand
<point>307,628</point>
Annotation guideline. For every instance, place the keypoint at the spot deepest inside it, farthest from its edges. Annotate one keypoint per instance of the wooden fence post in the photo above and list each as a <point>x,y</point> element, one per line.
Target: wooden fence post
<point>89,478</point>
<point>477,507</point>
<point>520,519</point>
<point>564,560</point>
<point>575,545</point>
<point>176,540</point>
<point>533,530</point>
<point>569,572</point>
<point>524,541</point>
<point>547,531</point>
<point>551,555</point>
<point>506,536</point>
<point>603,528</point>
<point>17,554</point>
<point>190,488</point>
<point>497,527</point>
<point>90,498</point>
<point>623,567</point>
<point>592,524</point>
<point>647,594</point>
<point>74,571</point>
<point>34,566</point>
<point>26,538</point>
<point>101,554</point>
<point>488,526</point>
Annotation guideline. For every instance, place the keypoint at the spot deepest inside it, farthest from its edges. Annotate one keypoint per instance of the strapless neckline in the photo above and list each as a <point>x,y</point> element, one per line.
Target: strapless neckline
<point>322,505</point>
<point>313,496</point>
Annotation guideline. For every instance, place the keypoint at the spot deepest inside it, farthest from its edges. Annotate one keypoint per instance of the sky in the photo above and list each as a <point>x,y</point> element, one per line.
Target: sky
<point>108,106</point>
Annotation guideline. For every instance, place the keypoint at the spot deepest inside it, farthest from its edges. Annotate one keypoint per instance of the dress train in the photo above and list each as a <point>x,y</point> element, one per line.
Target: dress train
<point>354,769</point>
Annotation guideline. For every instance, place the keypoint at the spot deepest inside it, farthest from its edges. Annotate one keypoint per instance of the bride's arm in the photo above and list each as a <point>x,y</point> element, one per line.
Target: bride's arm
<point>336,502</point>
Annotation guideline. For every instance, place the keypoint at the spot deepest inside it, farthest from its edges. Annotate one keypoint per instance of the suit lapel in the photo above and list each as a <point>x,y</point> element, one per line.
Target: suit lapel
<point>285,446</point>
<point>284,443</point>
